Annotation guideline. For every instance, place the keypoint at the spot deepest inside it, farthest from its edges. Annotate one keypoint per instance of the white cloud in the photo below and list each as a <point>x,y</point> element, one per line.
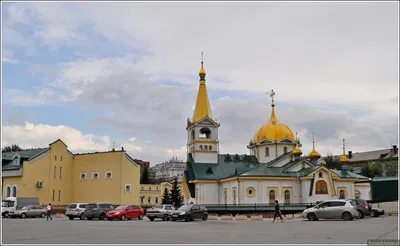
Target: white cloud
<point>41,135</point>
<point>31,135</point>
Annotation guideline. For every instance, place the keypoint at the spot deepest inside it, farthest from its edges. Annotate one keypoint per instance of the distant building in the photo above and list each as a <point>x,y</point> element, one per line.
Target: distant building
<point>55,175</point>
<point>151,194</point>
<point>386,158</point>
<point>171,168</point>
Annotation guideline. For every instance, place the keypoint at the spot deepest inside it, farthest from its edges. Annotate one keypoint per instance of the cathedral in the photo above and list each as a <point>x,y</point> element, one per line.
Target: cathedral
<point>274,169</point>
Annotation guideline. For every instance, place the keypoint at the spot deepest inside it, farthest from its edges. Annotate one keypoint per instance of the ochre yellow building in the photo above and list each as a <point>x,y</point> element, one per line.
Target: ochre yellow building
<point>56,175</point>
<point>151,194</point>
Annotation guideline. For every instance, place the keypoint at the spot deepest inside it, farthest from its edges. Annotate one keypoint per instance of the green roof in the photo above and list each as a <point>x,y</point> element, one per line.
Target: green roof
<point>377,179</point>
<point>28,154</point>
<point>248,166</point>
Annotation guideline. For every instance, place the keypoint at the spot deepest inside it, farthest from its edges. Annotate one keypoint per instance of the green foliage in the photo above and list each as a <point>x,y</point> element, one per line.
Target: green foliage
<point>372,170</point>
<point>391,169</point>
<point>176,196</point>
<point>147,175</point>
<point>166,199</point>
<point>11,148</point>
<point>332,162</point>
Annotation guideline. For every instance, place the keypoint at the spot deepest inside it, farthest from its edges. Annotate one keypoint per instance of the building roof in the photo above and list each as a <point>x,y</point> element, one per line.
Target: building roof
<point>248,166</point>
<point>28,154</point>
<point>383,154</point>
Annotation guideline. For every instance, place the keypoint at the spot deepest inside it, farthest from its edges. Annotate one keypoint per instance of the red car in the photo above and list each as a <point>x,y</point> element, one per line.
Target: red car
<point>124,212</point>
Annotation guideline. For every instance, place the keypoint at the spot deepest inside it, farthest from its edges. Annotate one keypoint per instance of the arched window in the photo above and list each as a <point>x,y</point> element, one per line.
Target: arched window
<point>14,191</point>
<point>266,151</point>
<point>271,196</point>
<point>201,147</point>
<point>205,147</point>
<point>341,194</point>
<point>321,187</point>
<point>287,196</point>
<point>193,135</point>
<point>357,194</point>
<point>320,174</point>
<point>205,133</point>
<point>285,150</point>
<point>8,191</point>
<point>209,147</point>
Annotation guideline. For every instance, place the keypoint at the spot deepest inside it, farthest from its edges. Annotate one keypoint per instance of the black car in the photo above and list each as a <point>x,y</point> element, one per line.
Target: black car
<point>190,213</point>
<point>97,210</point>
<point>375,212</point>
<point>363,208</point>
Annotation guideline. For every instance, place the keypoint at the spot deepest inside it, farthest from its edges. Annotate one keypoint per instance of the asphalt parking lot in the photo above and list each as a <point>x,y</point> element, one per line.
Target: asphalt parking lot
<point>64,231</point>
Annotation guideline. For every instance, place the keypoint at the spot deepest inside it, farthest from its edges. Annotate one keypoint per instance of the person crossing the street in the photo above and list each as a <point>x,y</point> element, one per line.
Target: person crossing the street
<point>49,208</point>
<point>277,211</point>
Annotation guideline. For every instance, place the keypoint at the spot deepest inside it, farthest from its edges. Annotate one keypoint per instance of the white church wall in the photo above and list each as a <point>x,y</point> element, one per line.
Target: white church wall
<point>347,186</point>
<point>250,184</point>
<point>210,194</point>
<point>205,157</point>
<point>364,189</point>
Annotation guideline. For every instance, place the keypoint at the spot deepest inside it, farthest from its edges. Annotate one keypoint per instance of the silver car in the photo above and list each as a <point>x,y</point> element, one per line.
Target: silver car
<point>162,211</point>
<point>76,210</point>
<point>332,209</point>
<point>30,211</point>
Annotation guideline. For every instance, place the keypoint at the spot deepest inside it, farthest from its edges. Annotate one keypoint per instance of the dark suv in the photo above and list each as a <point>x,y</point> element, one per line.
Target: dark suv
<point>190,213</point>
<point>363,208</point>
<point>98,210</point>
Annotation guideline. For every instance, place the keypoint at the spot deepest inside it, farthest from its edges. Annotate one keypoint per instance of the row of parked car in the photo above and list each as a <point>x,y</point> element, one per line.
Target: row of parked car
<point>342,209</point>
<point>109,211</point>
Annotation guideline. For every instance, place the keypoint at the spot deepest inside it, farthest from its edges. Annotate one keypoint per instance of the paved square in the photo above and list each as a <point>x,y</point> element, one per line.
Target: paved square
<point>63,231</point>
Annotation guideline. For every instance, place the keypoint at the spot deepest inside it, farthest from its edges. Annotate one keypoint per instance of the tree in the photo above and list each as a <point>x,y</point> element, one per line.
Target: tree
<point>372,170</point>
<point>11,148</point>
<point>332,162</point>
<point>144,178</point>
<point>147,175</point>
<point>176,196</point>
<point>166,199</point>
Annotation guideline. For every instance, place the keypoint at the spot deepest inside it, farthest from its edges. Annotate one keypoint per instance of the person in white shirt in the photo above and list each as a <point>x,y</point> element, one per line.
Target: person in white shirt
<point>48,208</point>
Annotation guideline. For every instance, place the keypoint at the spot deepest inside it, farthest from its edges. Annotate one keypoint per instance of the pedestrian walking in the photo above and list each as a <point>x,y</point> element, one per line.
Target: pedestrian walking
<point>277,211</point>
<point>49,209</point>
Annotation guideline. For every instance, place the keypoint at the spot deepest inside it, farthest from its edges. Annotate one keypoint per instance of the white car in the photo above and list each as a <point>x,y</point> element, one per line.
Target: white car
<point>332,209</point>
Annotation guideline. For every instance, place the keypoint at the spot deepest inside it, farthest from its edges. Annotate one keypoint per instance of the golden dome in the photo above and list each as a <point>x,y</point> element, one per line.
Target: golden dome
<point>297,151</point>
<point>273,130</point>
<point>314,154</point>
<point>344,159</point>
<point>202,72</point>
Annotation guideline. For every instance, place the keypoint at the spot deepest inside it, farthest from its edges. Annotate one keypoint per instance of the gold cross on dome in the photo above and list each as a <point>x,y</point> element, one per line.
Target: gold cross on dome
<point>202,56</point>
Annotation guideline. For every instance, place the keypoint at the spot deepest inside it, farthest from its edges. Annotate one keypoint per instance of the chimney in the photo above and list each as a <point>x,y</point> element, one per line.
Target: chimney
<point>122,148</point>
<point>395,149</point>
<point>350,154</point>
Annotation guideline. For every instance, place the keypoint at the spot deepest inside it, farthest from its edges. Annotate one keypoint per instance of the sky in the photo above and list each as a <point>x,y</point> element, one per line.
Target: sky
<point>96,73</point>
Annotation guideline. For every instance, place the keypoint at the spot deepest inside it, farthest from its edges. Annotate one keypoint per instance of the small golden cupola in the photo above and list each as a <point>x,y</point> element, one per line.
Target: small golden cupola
<point>344,158</point>
<point>273,129</point>
<point>297,151</point>
<point>314,155</point>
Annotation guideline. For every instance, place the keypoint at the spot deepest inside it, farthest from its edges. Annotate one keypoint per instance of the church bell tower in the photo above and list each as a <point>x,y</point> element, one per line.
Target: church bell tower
<point>202,129</point>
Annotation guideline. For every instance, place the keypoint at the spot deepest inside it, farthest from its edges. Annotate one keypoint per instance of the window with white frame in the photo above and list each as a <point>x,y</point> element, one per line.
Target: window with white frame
<point>83,176</point>
<point>108,175</point>
<point>15,161</point>
<point>95,175</point>
<point>128,188</point>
